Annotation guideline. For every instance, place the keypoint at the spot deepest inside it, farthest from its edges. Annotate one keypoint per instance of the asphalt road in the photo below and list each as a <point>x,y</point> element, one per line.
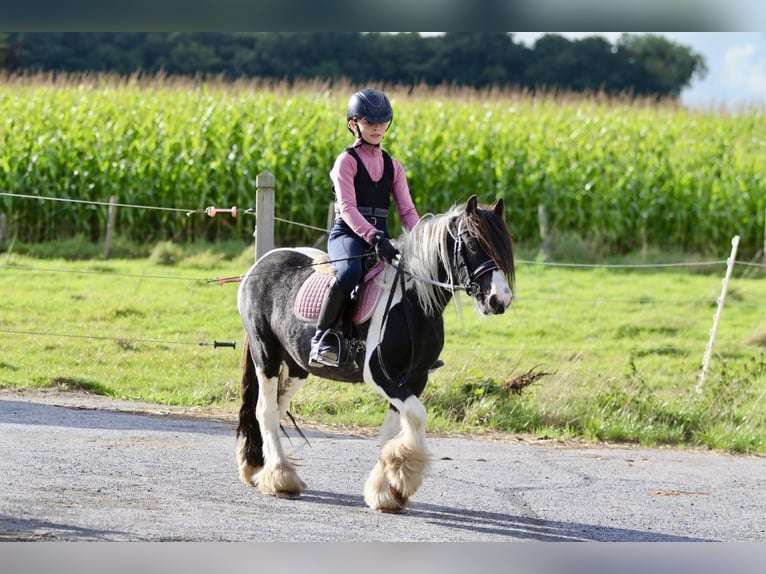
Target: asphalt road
<point>81,468</point>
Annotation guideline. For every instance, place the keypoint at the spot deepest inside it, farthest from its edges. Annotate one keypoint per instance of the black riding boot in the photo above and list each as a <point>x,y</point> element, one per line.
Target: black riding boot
<point>325,345</point>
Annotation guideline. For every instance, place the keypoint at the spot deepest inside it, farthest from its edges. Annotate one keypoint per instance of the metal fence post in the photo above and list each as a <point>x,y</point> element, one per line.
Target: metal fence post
<point>264,214</point>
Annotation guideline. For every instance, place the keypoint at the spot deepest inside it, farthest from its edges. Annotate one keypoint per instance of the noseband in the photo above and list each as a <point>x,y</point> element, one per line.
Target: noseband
<point>472,275</point>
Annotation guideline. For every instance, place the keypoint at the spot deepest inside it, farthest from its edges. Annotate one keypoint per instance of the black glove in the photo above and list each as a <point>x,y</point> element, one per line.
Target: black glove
<point>384,248</point>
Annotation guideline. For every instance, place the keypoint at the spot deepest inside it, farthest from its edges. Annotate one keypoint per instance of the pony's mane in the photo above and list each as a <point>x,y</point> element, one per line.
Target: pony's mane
<point>427,249</point>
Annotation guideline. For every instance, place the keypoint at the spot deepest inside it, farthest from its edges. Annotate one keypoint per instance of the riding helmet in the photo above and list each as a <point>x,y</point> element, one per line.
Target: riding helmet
<point>371,105</point>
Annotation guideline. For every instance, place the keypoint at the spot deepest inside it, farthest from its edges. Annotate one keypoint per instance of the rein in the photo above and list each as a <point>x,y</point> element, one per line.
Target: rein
<point>400,277</point>
<point>240,278</point>
<point>471,287</point>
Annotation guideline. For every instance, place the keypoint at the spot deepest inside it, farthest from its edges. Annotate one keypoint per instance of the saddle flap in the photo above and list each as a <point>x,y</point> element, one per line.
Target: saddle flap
<point>310,296</point>
<point>308,303</point>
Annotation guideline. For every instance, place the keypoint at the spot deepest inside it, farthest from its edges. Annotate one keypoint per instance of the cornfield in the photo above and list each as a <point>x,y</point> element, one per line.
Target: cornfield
<point>623,172</point>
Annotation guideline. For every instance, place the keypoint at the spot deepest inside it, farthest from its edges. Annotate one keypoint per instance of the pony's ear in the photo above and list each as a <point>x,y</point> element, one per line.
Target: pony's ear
<point>499,207</point>
<point>470,205</point>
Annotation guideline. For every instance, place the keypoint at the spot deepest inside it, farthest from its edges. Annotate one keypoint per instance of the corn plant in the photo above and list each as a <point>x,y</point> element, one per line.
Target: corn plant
<point>624,173</point>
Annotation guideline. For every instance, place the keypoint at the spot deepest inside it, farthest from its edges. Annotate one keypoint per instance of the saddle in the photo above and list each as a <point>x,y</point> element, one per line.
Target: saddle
<point>363,303</point>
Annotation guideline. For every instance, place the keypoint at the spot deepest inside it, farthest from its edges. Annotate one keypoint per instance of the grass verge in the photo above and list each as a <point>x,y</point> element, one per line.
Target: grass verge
<point>598,354</point>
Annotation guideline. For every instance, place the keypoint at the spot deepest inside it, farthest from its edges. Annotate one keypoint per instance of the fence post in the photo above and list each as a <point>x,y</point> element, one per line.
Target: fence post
<point>264,214</point>
<point>110,225</point>
<point>542,218</point>
<point>709,349</point>
<point>3,229</point>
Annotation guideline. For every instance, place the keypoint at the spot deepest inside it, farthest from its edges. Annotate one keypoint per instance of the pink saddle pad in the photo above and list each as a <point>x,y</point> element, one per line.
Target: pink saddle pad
<point>312,292</point>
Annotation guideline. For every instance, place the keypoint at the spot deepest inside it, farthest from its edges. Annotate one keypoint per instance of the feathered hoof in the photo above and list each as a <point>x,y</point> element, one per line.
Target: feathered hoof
<point>248,474</point>
<point>280,480</point>
<point>400,503</point>
<point>405,468</point>
<point>380,495</point>
<point>247,471</point>
<point>289,495</point>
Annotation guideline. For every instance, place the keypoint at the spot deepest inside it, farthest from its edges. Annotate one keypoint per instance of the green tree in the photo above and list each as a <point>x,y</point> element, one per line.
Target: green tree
<point>476,59</point>
<point>551,63</point>
<point>642,64</point>
<point>660,66</point>
<point>3,50</point>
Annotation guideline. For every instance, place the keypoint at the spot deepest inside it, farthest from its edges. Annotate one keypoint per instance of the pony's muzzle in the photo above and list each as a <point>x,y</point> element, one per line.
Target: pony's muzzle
<point>496,306</point>
<point>500,295</point>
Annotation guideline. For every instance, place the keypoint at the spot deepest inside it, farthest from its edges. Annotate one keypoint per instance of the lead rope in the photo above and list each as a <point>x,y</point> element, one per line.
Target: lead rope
<point>400,276</point>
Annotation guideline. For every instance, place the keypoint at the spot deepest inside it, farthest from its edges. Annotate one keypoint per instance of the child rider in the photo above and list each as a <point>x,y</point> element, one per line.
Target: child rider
<point>364,179</point>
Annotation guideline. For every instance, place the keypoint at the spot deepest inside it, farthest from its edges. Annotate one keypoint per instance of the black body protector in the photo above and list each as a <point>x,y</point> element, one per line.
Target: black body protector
<point>373,198</point>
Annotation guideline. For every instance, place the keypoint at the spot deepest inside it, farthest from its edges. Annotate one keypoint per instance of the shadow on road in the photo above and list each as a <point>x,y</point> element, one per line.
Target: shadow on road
<point>19,530</point>
<point>497,523</point>
<point>28,413</point>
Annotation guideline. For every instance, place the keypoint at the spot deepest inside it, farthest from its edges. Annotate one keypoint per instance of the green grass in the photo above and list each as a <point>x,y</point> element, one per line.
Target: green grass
<point>612,354</point>
<point>131,326</point>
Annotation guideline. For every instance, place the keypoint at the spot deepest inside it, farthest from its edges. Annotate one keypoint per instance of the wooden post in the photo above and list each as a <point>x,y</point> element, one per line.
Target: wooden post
<point>543,220</point>
<point>264,214</point>
<point>3,229</point>
<point>110,225</point>
<point>721,299</point>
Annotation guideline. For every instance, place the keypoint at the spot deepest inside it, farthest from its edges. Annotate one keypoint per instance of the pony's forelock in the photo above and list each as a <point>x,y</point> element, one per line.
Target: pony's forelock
<point>491,232</point>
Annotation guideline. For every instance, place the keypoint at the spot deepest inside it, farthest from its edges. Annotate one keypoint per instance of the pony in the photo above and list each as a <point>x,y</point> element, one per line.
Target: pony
<point>467,248</point>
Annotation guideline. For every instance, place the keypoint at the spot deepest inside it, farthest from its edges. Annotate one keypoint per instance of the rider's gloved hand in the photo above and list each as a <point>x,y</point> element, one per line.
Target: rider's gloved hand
<point>384,248</point>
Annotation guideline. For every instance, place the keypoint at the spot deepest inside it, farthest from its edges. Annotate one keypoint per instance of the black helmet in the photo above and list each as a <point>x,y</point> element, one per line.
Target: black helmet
<point>371,105</point>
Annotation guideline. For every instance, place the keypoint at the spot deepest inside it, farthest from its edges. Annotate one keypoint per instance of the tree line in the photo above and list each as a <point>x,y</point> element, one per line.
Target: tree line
<point>637,64</point>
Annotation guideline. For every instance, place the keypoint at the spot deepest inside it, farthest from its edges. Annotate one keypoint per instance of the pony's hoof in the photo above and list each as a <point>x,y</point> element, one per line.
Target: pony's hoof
<point>398,502</point>
<point>280,480</point>
<point>248,474</point>
<point>288,494</point>
<point>388,502</point>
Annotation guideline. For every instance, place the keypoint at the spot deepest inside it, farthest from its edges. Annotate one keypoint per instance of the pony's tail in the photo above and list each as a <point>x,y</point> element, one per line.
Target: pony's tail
<point>250,452</point>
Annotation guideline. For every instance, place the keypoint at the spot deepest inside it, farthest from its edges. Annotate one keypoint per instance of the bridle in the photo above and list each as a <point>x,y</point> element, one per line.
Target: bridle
<point>471,285</point>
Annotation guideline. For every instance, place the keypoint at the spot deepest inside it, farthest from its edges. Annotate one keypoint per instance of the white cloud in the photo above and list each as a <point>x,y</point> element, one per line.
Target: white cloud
<point>746,69</point>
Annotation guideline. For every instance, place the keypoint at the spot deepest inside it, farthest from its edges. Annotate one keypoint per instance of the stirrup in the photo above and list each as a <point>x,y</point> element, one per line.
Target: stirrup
<point>323,353</point>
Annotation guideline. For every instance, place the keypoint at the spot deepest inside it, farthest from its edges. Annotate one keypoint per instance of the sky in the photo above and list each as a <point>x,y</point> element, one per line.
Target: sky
<point>736,64</point>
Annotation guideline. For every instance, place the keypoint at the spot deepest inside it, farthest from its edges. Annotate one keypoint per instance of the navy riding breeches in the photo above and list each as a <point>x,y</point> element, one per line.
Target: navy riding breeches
<point>345,249</point>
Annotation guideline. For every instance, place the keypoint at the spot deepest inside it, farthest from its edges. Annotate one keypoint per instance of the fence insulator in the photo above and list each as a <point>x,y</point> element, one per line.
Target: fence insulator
<point>216,344</point>
<point>222,280</point>
<point>212,211</point>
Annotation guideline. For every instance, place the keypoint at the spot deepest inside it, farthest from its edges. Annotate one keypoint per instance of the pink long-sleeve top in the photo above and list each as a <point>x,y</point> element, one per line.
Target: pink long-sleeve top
<point>342,175</point>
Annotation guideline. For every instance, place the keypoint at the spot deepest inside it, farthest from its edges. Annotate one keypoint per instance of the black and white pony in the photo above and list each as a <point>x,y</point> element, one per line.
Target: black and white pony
<point>469,248</point>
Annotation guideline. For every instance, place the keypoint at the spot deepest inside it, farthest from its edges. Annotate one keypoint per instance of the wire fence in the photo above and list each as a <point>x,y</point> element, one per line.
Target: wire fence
<point>212,211</point>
